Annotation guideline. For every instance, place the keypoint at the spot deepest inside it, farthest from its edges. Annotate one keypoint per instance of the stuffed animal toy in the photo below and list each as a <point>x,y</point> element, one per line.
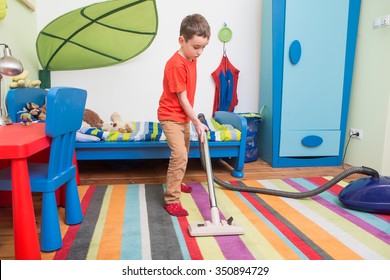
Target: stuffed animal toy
<point>118,124</point>
<point>22,80</point>
<point>39,113</point>
<point>108,127</point>
<point>92,118</point>
<point>26,118</point>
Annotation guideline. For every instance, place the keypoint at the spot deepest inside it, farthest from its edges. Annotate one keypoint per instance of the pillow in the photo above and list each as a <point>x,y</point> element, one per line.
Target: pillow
<point>81,137</point>
<point>93,131</point>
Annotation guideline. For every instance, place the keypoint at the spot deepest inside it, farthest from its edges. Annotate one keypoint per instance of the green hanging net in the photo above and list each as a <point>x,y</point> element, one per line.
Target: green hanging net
<point>98,35</point>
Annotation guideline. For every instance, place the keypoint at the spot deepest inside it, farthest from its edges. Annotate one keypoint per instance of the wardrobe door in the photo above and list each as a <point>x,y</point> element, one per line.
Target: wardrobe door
<point>307,61</point>
<point>313,76</point>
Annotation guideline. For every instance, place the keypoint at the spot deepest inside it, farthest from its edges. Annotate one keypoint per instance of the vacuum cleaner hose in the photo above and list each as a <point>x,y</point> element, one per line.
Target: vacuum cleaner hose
<point>353,170</point>
<point>335,180</point>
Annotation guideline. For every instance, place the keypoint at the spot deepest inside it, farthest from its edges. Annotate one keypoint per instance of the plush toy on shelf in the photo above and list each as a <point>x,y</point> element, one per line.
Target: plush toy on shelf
<point>22,80</point>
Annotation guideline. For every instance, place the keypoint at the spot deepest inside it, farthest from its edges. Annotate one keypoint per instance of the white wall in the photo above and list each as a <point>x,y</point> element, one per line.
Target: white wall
<point>133,88</point>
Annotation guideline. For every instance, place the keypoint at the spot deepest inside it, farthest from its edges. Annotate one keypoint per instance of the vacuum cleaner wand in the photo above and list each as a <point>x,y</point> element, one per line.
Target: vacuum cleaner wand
<point>215,226</point>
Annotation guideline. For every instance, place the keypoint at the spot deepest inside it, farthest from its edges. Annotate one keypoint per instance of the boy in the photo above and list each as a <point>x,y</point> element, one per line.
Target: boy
<point>176,103</point>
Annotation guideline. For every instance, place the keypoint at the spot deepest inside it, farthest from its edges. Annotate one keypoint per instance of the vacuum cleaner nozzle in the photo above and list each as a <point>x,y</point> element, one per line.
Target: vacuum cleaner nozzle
<point>207,228</point>
<point>215,226</point>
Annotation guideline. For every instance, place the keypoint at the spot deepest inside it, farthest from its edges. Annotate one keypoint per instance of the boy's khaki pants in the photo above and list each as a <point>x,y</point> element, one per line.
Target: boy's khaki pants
<point>178,137</point>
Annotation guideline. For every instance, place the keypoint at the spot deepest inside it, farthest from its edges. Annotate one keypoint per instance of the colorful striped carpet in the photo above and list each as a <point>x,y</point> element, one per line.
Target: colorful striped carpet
<point>128,222</point>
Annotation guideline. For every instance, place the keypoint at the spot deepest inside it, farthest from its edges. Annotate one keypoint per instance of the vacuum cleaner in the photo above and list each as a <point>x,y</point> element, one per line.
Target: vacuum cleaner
<point>369,194</point>
<point>216,226</point>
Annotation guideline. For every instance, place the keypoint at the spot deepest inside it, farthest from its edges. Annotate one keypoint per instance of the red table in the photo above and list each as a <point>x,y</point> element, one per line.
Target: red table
<point>17,143</point>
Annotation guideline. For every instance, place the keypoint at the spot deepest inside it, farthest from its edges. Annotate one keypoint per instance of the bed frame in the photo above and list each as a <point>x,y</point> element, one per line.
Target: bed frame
<point>232,152</point>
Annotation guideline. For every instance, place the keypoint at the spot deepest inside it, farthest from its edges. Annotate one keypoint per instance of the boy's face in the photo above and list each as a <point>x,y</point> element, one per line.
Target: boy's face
<point>192,48</point>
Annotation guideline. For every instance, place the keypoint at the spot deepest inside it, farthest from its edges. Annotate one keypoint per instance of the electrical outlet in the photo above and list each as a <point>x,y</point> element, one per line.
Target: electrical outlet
<point>356,133</point>
<point>385,20</point>
<point>381,21</point>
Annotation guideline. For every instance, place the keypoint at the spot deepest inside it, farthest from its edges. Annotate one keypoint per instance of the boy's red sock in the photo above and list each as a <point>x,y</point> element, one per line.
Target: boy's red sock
<point>185,188</point>
<point>175,209</point>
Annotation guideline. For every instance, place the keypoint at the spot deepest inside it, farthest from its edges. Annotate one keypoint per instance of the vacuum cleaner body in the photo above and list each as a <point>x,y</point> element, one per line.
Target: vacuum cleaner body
<point>368,194</point>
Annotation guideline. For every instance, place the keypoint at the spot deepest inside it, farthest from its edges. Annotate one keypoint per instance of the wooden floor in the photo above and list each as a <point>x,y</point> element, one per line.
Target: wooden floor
<point>154,171</point>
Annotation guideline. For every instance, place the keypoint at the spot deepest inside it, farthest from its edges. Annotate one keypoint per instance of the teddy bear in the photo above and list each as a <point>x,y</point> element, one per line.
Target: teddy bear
<point>92,118</point>
<point>22,80</point>
<point>117,124</point>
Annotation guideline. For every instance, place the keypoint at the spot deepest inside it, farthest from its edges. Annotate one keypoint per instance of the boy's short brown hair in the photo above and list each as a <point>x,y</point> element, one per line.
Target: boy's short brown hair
<point>194,24</point>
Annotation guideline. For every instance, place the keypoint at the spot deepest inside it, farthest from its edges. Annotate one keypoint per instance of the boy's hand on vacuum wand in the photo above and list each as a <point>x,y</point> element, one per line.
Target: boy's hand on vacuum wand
<point>200,128</point>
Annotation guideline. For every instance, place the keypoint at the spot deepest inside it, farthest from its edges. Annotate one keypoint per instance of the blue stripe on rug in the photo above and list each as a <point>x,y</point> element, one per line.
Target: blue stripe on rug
<point>131,235</point>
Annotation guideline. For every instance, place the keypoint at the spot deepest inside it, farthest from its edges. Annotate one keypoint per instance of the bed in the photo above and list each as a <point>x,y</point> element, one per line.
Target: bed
<point>227,142</point>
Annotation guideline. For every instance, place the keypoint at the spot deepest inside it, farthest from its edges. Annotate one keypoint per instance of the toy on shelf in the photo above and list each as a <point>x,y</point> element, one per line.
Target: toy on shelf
<point>22,80</point>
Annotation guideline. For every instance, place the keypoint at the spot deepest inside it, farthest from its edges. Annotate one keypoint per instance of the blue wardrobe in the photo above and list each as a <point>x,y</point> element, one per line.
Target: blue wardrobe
<point>307,60</point>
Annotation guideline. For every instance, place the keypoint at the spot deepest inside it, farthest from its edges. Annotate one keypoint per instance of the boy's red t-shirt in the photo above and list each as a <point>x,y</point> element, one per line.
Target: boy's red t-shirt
<point>179,76</point>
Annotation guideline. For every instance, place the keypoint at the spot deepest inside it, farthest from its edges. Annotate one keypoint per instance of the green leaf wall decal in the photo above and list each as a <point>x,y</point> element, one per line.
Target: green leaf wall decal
<point>98,35</point>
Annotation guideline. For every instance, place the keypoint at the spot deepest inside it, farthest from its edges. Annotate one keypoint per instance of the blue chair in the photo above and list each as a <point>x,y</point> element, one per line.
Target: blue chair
<point>64,114</point>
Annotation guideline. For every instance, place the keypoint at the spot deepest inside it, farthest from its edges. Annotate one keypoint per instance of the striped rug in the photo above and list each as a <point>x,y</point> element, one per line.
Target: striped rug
<point>128,222</point>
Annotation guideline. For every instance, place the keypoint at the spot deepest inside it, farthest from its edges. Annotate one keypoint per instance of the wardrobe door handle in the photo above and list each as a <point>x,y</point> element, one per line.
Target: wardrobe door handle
<point>295,52</point>
<point>312,141</point>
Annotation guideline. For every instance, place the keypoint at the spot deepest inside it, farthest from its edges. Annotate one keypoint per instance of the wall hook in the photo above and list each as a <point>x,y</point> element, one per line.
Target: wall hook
<point>225,34</point>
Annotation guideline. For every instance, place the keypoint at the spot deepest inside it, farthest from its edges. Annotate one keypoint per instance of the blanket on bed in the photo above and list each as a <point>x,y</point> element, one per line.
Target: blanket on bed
<point>152,131</point>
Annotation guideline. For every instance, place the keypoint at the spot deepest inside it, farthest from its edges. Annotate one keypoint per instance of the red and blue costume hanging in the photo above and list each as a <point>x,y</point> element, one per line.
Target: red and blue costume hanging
<point>226,79</point>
